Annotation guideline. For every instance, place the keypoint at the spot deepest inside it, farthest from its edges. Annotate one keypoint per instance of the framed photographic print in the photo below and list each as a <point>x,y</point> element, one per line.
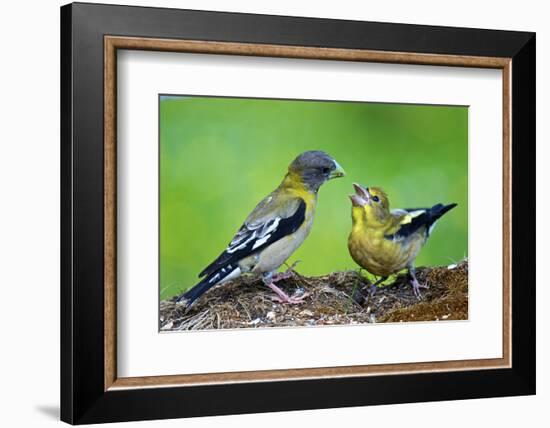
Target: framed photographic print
<point>266,213</point>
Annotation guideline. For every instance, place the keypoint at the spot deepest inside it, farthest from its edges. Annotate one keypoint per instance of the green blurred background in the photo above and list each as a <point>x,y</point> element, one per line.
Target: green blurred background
<point>221,156</point>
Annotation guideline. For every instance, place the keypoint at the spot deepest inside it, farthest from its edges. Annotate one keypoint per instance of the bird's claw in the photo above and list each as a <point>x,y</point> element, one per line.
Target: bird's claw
<point>282,297</point>
<point>416,288</point>
<point>291,300</point>
<point>359,297</point>
<point>372,290</point>
<point>289,273</point>
<point>370,294</point>
<point>283,275</point>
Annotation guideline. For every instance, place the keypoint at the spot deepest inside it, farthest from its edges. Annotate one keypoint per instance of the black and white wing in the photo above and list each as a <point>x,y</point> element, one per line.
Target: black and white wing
<point>413,220</point>
<point>270,221</point>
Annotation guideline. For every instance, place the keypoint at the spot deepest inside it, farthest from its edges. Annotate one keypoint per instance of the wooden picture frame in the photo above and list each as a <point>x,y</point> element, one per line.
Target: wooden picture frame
<point>91,390</point>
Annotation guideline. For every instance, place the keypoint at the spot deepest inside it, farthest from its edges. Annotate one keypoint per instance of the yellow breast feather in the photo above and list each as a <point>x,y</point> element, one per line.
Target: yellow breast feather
<point>385,242</point>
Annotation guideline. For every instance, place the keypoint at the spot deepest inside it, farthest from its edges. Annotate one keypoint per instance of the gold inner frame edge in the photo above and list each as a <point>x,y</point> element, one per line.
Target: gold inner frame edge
<point>113,43</point>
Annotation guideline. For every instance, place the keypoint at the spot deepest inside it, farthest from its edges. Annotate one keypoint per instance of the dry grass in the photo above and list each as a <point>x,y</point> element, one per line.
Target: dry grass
<point>338,298</point>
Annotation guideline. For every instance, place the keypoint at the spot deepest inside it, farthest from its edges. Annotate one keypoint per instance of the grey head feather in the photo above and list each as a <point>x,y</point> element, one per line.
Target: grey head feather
<point>314,167</point>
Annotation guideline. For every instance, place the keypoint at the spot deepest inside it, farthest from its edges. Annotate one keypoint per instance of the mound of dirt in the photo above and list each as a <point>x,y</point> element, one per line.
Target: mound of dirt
<point>337,298</point>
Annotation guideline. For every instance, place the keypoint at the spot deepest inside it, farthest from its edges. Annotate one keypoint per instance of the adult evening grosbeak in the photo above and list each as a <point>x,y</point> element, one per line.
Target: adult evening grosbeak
<point>385,242</point>
<point>273,230</point>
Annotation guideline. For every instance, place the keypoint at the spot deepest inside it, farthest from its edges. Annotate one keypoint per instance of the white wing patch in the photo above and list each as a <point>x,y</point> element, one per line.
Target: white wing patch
<point>409,215</point>
<point>214,279</point>
<point>240,241</point>
<point>416,213</point>
<point>234,273</point>
<point>259,233</point>
<point>407,220</point>
<point>260,241</point>
<point>399,211</point>
<point>266,232</point>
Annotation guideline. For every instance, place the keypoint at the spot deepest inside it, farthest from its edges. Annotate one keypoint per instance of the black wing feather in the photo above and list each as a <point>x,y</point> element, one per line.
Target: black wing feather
<point>246,240</point>
<point>426,219</point>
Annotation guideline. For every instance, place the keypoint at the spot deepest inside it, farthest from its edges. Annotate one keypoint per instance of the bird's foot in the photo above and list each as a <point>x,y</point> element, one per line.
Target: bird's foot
<point>361,297</point>
<point>370,295</point>
<point>372,290</point>
<point>282,297</point>
<point>416,288</point>
<point>279,276</point>
<point>289,273</point>
<point>291,300</point>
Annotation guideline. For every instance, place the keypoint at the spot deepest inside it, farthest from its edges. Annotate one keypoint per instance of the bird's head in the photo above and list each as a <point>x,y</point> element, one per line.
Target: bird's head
<point>370,203</point>
<point>315,167</point>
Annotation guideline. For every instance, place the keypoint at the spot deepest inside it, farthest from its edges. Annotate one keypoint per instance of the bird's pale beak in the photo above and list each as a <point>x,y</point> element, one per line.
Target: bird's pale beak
<point>361,197</point>
<point>337,172</point>
<point>361,191</point>
<point>357,201</point>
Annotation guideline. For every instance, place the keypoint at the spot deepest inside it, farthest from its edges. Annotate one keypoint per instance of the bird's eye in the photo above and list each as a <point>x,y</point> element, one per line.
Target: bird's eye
<point>375,198</point>
<point>326,170</point>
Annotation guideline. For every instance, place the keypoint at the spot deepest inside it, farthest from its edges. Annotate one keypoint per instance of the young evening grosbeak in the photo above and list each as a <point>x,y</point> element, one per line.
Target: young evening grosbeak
<point>385,242</point>
<point>273,230</point>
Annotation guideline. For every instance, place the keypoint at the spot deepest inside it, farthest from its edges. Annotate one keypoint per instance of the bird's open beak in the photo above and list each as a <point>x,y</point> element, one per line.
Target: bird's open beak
<point>356,201</point>
<point>361,197</point>
<point>337,172</point>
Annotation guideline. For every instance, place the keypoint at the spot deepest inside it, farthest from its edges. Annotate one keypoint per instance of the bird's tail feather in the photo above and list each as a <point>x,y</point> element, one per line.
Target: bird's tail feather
<point>220,275</point>
<point>436,212</point>
<point>439,210</point>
